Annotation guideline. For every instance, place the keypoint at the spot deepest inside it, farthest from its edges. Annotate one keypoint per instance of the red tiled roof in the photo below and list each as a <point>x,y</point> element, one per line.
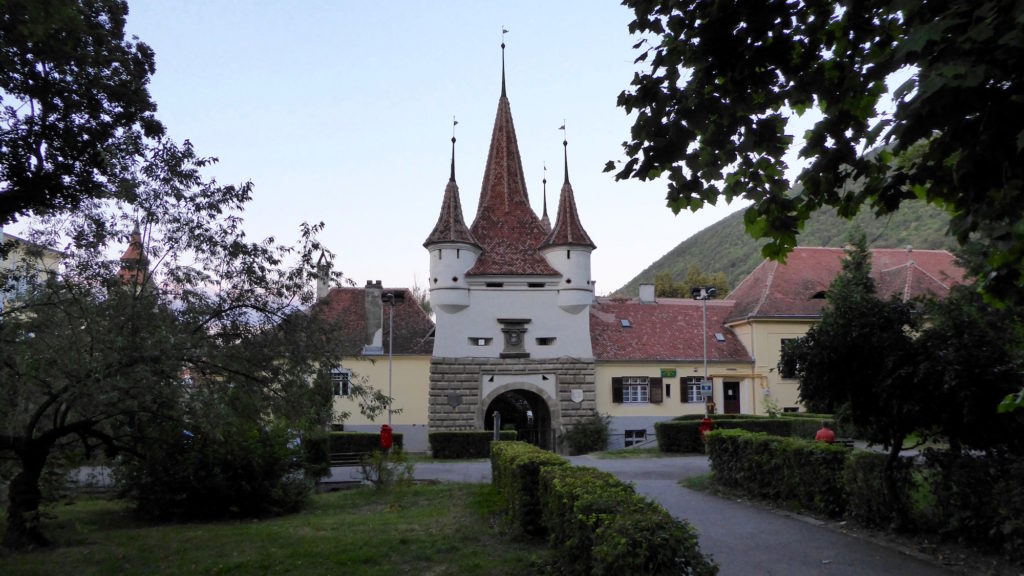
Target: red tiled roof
<point>450,225</point>
<point>568,230</point>
<point>797,287</point>
<point>413,327</point>
<point>669,330</point>
<point>134,262</point>
<point>506,227</point>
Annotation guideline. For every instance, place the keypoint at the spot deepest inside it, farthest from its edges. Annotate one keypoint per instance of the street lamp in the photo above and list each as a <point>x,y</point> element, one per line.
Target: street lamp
<point>391,298</point>
<point>703,294</point>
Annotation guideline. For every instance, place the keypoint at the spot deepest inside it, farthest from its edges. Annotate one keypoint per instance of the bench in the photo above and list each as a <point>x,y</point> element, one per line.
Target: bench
<point>348,458</point>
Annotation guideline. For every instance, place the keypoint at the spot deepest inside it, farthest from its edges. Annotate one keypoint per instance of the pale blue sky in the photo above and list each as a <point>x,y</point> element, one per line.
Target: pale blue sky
<point>342,111</point>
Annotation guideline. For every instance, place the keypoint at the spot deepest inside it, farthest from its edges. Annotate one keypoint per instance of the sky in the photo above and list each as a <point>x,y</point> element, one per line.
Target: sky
<point>342,112</point>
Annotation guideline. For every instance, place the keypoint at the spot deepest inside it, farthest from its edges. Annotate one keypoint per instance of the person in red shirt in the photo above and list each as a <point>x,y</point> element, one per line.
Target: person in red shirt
<point>825,434</point>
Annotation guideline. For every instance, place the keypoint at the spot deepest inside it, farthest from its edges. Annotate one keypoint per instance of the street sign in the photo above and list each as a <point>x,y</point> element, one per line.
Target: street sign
<point>705,388</point>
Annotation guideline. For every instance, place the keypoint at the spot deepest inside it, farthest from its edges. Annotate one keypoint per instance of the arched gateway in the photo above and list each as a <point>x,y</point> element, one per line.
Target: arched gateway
<point>512,297</point>
<point>525,411</point>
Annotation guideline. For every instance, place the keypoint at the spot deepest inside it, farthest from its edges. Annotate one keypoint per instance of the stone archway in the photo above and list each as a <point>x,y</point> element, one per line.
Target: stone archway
<point>526,411</point>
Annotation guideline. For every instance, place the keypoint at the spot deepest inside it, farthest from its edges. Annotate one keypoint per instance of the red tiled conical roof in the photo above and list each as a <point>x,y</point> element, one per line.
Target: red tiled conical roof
<point>506,227</point>
<point>451,227</point>
<point>568,230</point>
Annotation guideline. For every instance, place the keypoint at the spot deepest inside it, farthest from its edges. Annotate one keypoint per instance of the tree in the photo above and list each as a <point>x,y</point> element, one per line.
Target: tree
<point>666,287</point>
<point>723,78</point>
<point>74,103</point>
<point>971,359</point>
<point>860,359</point>
<point>208,328</point>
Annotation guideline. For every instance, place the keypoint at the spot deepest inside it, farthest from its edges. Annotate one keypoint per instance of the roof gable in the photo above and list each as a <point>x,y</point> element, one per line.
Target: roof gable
<point>795,289</point>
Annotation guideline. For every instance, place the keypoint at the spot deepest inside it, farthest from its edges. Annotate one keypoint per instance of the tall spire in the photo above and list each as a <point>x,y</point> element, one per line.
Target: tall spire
<point>505,225</point>
<point>544,220</point>
<point>503,32</point>
<point>451,227</point>
<point>568,230</point>
<point>134,263</point>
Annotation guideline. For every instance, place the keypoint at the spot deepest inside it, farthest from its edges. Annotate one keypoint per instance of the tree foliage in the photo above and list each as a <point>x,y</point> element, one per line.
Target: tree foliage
<point>74,102</point>
<point>208,337</point>
<point>666,287</point>
<point>721,80</point>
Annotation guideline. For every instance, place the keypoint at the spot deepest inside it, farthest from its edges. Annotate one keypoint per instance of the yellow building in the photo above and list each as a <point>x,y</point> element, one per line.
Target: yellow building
<point>365,315</point>
<point>23,264</point>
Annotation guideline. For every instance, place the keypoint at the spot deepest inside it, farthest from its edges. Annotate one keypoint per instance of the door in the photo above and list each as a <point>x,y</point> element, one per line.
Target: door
<point>731,390</point>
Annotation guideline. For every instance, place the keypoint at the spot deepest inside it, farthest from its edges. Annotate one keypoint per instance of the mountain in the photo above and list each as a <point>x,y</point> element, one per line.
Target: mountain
<point>726,247</point>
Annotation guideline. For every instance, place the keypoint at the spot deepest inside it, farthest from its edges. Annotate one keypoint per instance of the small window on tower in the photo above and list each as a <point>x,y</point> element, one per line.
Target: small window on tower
<point>476,341</point>
<point>494,284</point>
<point>534,284</point>
<point>546,341</point>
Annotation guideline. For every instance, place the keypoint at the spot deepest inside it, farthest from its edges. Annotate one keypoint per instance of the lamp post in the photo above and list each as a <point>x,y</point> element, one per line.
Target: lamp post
<point>391,298</point>
<point>703,294</point>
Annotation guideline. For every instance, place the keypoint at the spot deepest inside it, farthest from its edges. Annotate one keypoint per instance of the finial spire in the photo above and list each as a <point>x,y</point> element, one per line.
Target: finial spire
<point>454,124</point>
<point>545,181</point>
<point>565,150</point>
<point>503,32</point>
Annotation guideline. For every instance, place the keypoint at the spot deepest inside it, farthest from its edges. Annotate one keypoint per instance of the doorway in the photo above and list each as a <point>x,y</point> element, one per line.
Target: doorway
<point>525,412</point>
<point>731,391</point>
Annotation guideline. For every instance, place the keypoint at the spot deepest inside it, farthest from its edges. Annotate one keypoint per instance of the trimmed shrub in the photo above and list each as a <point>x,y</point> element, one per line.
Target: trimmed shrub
<point>780,469</point>
<point>599,525</point>
<point>363,442</point>
<point>679,436</point>
<point>515,471</point>
<point>868,502</point>
<point>465,444</point>
<point>589,434</point>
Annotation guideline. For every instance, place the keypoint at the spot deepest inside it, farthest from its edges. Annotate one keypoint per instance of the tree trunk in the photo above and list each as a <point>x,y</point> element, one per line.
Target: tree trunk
<point>890,483</point>
<point>24,495</point>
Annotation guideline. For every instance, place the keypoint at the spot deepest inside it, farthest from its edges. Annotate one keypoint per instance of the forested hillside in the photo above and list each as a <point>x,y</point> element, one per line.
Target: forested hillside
<point>725,246</point>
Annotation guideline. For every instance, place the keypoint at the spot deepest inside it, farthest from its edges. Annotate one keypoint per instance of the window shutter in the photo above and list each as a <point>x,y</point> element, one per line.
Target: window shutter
<point>617,390</point>
<point>684,390</point>
<point>657,390</point>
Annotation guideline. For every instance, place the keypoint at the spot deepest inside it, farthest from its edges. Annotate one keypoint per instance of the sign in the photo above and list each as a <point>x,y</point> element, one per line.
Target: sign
<point>705,388</point>
<point>668,372</point>
<point>576,395</point>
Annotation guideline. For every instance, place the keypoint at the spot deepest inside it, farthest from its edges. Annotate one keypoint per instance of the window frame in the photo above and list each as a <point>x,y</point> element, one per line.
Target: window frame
<point>341,382</point>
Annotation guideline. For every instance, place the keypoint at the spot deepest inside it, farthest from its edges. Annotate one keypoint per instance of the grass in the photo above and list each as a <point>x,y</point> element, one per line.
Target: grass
<point>426,529</point>
<point>624,453</point>
<point>702,483</point>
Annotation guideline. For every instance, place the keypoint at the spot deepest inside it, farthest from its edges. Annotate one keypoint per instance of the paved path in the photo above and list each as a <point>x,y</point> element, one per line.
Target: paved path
<point>744,538</point>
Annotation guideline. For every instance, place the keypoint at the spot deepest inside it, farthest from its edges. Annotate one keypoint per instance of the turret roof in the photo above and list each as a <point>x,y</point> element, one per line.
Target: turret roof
<point>451,227</point>
<point>568,230</point>
<point>505,226</point>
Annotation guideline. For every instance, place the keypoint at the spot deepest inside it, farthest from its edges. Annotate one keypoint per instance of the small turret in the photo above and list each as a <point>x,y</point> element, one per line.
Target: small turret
<point>453,250</point>
<point>567,249</point>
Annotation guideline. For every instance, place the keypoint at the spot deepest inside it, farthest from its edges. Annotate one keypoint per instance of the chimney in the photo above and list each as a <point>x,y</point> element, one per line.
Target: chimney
<point>323,285</point>
<point>647,294</point>
<point>374,336</point>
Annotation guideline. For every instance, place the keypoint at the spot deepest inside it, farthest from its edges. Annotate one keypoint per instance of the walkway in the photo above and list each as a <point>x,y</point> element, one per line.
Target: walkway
<point>744,538</point>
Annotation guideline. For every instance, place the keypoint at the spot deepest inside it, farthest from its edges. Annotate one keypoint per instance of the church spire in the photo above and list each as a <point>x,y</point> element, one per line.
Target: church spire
<point>451,227</point>
<point>544,220</point>
<point>134,263</point>
<point>503,32</point>
<point>568,230</point>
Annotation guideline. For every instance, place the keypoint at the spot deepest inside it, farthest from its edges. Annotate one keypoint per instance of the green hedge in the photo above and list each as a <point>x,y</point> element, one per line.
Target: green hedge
<point>515,471</point>
<point>599,525</point>
<point>780,469</point>
<point>359,441</point>
<point>465,444</point>
<point>868,502</point>
<point>679,436</point>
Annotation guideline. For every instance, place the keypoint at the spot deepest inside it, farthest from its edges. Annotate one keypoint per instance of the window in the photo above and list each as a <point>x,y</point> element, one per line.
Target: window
<point>635,389</point>
<point>341,382</point>
<point>476,341</point>
<point>635,437</point>
<point>692,386</point>
<point>546,341</point>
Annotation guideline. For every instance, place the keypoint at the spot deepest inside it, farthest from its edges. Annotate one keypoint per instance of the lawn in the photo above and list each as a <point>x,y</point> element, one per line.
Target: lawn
<point>426,529</point>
